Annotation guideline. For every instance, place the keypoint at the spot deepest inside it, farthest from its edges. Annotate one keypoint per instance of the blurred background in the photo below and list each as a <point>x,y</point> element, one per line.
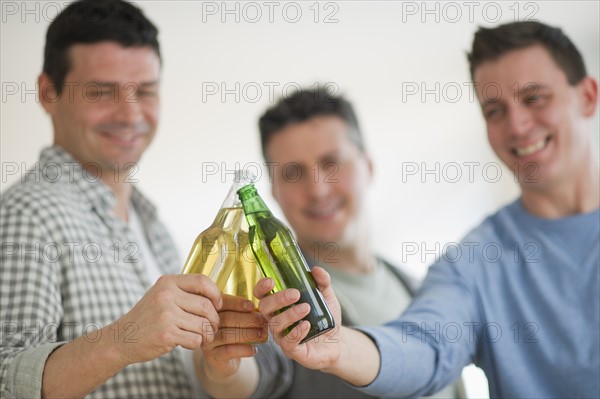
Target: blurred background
<point>401,63</point>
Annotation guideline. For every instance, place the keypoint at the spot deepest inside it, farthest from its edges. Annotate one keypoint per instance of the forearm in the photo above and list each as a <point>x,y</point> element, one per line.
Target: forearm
<point>359,359</point>
<point>77,368</point>
<point>242,384</point>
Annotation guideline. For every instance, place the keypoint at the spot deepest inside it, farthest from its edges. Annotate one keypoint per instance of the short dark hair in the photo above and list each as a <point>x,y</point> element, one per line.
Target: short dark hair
<point>490,44</point>
<point>304,104</point>
<point>93,21</point>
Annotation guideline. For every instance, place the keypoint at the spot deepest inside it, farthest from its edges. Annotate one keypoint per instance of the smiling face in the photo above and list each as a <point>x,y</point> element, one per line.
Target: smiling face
<point>107,113</point>
<point>536,121</point>
<point>319,180</point>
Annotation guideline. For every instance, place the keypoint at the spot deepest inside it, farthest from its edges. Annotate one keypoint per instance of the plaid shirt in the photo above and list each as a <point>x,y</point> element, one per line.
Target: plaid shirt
<point>69,267</point>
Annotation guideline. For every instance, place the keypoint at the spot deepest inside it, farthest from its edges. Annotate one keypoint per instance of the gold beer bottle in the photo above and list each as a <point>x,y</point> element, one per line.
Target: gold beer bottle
<point>222,251</point>
<point>245,273</point>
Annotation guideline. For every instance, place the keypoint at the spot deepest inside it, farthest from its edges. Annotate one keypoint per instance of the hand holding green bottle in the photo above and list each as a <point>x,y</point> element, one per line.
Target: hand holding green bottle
<point>324,353</point>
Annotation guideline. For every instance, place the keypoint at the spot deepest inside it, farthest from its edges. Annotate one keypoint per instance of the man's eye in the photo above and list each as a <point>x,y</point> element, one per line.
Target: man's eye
<point>532,99</point>
<point>538,100</point>
<point>99,94</point>
<point>146,93</point>
<point>291,172</point>
<point>491,113</point>
<point>330,165</point>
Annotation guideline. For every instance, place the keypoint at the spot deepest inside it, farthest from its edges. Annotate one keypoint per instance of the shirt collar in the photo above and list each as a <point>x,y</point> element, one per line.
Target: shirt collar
<point>57,165</point>
<point>144,207</point>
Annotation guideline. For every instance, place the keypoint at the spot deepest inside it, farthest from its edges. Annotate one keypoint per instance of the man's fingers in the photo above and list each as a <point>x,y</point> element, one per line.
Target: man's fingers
<point>198,305</point>
<point>241,320</point>
<point>263,287</point>
<point>198,284</point>
<point>190,340</point>
<point>270,304</point>
<point>321,277</point>
<point>290,342</point>
<point>229,352</point>
<point>229,336</point>
<point>285,319</point>
<point>195,324</point>
<point>236,303</point>
<point>323,281</point>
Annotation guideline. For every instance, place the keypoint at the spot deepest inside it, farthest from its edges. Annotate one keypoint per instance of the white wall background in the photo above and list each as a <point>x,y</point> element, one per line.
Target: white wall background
<point>373,51</point>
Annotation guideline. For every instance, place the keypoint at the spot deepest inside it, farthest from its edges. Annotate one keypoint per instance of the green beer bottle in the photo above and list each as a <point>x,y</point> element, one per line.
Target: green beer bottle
<point>279,258</point>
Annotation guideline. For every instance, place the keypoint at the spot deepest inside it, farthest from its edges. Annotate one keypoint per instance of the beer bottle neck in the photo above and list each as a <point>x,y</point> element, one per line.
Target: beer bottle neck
<point>232,200</point>
<point>251,201</point>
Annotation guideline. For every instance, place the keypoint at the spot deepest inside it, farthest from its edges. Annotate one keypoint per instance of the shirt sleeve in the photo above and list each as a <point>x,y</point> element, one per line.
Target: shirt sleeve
<point>23,372</point>
<point>31,310</point>
<point>426,348</point>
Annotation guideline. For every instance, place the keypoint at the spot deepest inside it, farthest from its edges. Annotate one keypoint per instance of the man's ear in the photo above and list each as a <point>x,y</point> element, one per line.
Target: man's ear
<point>271,172</point>
<point>370,167</point>
<point>588,91</point>
<point>47,93</point>
<point>273,188</point>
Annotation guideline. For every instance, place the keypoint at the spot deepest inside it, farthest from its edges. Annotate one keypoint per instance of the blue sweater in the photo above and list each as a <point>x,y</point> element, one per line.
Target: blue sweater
<point>519,297</point>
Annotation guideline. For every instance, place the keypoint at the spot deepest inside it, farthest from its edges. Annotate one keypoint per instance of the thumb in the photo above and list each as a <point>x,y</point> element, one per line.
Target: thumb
<point>322,278</point>
<point>323,281</point>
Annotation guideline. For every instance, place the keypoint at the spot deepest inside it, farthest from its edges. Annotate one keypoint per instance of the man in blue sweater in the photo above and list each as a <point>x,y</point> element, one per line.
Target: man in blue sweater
<point>520,296</point>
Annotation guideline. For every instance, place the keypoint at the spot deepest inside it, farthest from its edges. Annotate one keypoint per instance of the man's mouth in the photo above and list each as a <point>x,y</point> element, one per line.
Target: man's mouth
<point>123,133</point>
<point>122,138</point>
<point>531,149</point>
<point>323,212</point>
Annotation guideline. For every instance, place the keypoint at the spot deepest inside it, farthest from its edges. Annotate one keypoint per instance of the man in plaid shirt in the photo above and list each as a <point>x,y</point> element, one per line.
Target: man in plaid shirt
<point>91,303</point>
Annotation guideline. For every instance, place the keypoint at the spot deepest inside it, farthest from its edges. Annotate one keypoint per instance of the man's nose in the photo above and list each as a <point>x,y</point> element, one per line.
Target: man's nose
<point>129,109</point>
<point>520,120</point>
<point>318,186</point>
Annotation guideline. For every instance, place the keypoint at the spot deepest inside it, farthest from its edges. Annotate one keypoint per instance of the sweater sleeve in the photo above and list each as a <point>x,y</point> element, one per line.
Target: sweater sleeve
<point>428,345</point>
